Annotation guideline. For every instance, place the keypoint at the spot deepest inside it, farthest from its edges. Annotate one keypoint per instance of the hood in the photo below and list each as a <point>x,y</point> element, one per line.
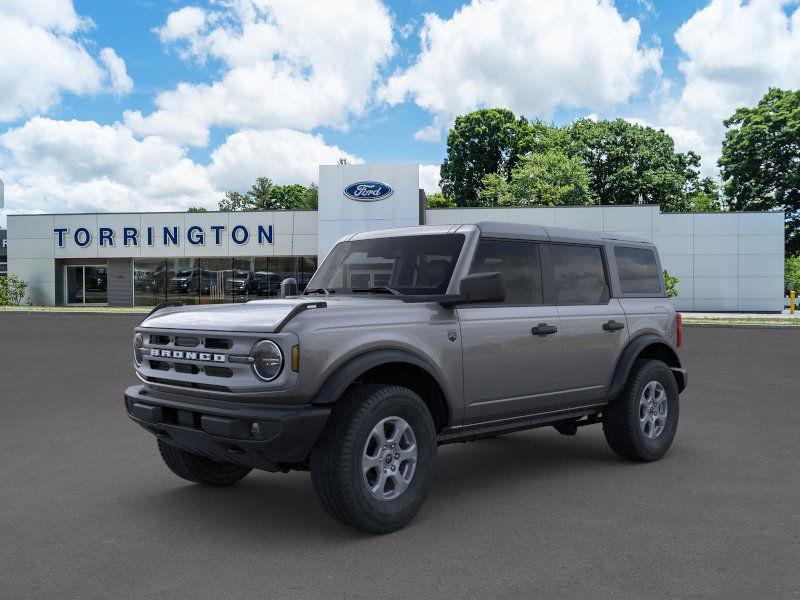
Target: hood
<point>265,316</point>
<point>262,316</point>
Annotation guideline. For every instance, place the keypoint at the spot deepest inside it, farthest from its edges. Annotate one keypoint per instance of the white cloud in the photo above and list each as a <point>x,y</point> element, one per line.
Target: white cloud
<point>283,155</point>
<point>429,178</point>
<point>41,58</point>
<point>432,133</point>
<point>528,55</point>
<point>121,83</point>
<point>81,166</point>
<point>734,51</point>
<point>183,24</point>
<point>58,15</point>
<point>286,65</point>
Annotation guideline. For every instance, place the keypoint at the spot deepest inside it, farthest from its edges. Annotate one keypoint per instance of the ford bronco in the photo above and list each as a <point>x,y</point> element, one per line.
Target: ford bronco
<point>406,339</point>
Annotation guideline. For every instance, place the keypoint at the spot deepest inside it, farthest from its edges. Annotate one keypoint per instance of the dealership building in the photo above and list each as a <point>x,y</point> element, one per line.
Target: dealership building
<point>725,261</point>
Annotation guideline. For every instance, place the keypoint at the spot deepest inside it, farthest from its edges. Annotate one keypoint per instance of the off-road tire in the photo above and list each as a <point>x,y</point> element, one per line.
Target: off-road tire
<point>336,471</point>
<point>199,469</point>
<point>621,416</point>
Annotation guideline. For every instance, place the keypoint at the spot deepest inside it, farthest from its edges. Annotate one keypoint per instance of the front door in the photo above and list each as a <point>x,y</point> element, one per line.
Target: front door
<point>511,350</point>
<point>86,284</point>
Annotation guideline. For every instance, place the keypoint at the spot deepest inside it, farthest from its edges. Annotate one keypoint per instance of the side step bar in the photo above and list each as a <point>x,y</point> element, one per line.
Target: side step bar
<point>587,415</point>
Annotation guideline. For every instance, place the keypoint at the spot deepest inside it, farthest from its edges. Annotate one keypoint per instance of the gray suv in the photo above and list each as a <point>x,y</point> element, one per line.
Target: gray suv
<point>406,339</point>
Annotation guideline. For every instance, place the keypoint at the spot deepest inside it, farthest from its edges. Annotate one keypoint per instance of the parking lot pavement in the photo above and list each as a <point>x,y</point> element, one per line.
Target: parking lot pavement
<point>87,510</point>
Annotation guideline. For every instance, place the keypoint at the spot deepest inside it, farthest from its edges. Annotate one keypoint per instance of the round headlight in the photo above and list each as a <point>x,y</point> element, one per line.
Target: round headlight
<point>138,342</point>
<point>268,360</point>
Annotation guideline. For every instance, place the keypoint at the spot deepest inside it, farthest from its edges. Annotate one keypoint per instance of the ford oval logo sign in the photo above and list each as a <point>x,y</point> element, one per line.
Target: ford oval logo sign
<point>368,191</point>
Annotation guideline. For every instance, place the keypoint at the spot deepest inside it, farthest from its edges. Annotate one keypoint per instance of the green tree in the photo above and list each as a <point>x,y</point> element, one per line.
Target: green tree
<point>494,190</point>
<point>760,162</point>
<point>671,284</point>
<point>12,290</point>
<point>791,277</point>
<point>259,197</point>
<point>706,196</point>
<point>234,201</point>
<point>548,179</point>
<point>439,200</point>
<point>485,141</point>
<point>627,161</point>
<point>312,197</point>
<point>288,197</point>
<point>265,195</point>
<point>197,209</point>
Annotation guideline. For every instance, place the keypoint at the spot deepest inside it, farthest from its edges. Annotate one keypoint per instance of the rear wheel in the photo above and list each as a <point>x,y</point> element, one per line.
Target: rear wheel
<point>199,469</point>
<point>375,460</point>
<point>641,423</point>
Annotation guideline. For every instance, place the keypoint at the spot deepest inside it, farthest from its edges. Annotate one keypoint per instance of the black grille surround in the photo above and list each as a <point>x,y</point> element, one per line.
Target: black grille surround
<point>200,361</point>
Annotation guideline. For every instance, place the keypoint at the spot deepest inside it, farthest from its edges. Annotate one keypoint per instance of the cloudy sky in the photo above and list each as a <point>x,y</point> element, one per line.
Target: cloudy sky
<point>152,105</point>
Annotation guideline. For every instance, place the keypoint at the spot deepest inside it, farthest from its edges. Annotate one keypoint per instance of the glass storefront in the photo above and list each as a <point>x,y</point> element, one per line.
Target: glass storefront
<point>214,280</point>
<point>86,284</point>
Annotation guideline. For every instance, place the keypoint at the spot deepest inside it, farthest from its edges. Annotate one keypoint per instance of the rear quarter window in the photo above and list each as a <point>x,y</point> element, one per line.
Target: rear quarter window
<point>580,277</point>
<point>638,270</point>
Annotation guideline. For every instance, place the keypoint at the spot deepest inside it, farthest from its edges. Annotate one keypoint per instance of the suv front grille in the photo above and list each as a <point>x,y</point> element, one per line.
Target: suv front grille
<point>191,371</point>
<point>218,344</point>
<point>194,359</point>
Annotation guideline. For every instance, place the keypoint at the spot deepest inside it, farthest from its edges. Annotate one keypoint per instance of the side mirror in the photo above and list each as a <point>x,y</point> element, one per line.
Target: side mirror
<point>483,287</point>
<point>288,287</point>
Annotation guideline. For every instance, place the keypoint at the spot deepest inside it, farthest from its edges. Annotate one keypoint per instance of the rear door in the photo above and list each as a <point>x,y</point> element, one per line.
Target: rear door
<point>594,327</point>
<point>512,350</point>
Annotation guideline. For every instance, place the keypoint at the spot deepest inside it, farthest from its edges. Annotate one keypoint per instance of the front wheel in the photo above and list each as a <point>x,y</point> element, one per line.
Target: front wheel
<point>641,423</point>
<point>375,460</point>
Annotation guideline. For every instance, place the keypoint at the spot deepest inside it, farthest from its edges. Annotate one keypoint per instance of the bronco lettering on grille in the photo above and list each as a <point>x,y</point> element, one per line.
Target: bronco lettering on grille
<point>182,354</point>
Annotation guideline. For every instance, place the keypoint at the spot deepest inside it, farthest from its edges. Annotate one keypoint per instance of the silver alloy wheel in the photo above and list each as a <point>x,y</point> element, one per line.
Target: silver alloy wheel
<point>389,458</point>
<point>653,409</point>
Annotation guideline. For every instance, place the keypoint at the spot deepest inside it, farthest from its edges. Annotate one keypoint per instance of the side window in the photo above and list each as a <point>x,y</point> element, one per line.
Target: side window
<point>638,270</point>
<point>579,274</point>
<point>519,264</point>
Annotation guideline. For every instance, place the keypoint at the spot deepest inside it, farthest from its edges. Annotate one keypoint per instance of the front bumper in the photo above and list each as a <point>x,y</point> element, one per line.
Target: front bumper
<point>284,434</point>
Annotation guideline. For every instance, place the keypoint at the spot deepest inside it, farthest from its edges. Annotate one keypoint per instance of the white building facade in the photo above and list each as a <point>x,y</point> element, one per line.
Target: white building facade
<point>725,261</point>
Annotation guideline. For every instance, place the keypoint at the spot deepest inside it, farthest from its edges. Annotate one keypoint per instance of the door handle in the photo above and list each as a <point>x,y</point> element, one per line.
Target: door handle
<point>543,329</point>
<point>613,325</point>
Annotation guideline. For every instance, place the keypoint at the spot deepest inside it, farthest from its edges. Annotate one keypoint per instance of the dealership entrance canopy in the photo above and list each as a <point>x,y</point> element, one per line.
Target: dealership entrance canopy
<point>725,261</point>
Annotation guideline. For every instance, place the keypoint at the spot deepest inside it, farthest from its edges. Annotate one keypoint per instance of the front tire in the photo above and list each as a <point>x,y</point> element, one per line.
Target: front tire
<point>199,469</point>
<point>641,423</point>
<point>375,460</point>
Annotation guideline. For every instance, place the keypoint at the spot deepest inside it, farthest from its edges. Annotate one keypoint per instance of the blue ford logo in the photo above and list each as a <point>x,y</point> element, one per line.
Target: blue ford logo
<point>368,191</point>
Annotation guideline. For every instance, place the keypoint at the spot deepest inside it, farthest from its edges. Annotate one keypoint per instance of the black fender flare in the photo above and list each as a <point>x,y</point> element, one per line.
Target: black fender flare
<point>347,373</point>
<point>632,351</point>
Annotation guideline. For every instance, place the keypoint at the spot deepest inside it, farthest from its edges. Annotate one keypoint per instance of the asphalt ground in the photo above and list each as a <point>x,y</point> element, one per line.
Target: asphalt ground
<point>87,509</point>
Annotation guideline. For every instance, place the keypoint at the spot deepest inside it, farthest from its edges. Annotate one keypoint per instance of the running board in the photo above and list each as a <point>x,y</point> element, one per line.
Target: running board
<point>476,432</point>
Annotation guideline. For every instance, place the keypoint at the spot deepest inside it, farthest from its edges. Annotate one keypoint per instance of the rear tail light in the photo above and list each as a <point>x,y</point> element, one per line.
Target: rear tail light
<point>679,336</point>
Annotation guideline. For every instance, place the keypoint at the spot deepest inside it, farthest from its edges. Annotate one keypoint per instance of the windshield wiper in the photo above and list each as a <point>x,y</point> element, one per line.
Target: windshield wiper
<point>376,289</point>
<point>325,291</point>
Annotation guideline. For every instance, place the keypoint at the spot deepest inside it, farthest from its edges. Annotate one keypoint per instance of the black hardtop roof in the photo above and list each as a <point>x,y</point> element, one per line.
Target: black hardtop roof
<point>550,233</point>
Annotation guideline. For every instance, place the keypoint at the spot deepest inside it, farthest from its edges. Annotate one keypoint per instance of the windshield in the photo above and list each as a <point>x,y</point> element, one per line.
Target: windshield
<point>414,264</point>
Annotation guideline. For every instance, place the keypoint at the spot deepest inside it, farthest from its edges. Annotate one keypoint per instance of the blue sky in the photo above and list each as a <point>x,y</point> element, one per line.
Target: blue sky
<point>127,26</point>
<point>144,104</point>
